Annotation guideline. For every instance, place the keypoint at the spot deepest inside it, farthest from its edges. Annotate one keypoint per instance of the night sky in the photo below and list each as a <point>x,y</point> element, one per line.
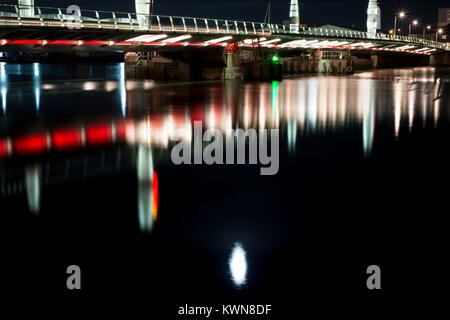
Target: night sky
<point>343,13</point>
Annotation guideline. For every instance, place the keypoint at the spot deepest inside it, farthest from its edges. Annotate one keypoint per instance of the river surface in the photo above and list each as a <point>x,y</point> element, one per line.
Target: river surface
<point>86,178</point>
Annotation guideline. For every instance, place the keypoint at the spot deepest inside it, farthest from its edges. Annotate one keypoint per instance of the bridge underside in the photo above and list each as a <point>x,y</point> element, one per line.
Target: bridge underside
<point>44,39</point>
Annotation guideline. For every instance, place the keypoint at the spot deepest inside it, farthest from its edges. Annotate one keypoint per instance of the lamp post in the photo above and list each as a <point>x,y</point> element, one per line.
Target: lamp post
<point>401,15</point>
<point>428,28</point>
<point>414,23</point>
<point>438,33</point>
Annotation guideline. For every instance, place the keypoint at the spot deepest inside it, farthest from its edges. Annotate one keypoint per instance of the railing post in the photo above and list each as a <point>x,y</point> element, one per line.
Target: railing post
<point>236,25</point>
<point>207,26</point>
<point>254,28</point>
<point>99,23</point>
<point>184,24</point>
<point>245,28</point>
<point>61,17</point>
<point>171,23</point>
<point>40,16</point>
<point>195,24</point>
<point>228,28</point>
<point>19,20</point>
<point>115,21</point>
<point>159,23</point>
<point>217,26</point>
<point>131,21</point>
<point>262,29</point>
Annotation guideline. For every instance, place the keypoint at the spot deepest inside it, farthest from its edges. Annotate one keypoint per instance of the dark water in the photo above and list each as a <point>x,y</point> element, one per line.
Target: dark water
<point>86,178</point>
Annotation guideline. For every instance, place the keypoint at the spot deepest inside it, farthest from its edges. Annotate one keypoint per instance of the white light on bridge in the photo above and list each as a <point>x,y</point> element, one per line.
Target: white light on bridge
<point>298,43</point>
<point>405,47</point>
<point>220,39</point>
<point>271,41</point>
<point>178,39</point>
<point>423,49</point>
<point>363,44</point>
<point>148,38</point>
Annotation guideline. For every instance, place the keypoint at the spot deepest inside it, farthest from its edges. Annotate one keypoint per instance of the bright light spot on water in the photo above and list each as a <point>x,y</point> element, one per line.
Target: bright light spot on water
<point>238,265</point>
<point>4,91</point>
<point>36,69</point>
<point>3,69</point>
<point>123,90</point>
<point>89,86</point>
<point>48,86</point>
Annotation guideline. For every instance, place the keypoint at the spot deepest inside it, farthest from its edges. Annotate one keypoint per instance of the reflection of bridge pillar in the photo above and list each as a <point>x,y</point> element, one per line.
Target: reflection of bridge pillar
<point>25,8</point>
<point>145,173</point>
<point>143,11</point>
<point>233,70</point>
<point>33,187</point>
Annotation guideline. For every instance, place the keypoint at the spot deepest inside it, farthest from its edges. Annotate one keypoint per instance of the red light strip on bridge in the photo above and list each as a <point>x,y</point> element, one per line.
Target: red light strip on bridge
<point>108,43</point>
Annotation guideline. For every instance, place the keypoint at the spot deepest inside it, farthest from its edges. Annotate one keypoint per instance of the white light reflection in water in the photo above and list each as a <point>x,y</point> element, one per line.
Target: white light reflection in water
<point>123,90</point>
<point>37,85</point>
<point>3,84</point>
<point>238,265</point>
<point>398,91</point>
<point>33,185</point>
<point>145,191</point>
<point>411,105</point>
<point>367,101</point>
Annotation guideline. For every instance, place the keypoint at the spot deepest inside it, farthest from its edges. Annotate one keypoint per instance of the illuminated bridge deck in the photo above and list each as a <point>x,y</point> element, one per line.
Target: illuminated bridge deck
<point>52,29</point>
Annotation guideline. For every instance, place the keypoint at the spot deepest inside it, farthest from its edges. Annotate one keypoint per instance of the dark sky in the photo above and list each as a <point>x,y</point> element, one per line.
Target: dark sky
<point>343,13</point>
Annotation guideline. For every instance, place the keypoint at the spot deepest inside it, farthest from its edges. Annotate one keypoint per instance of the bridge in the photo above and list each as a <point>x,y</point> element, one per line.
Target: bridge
<point>29,27</point>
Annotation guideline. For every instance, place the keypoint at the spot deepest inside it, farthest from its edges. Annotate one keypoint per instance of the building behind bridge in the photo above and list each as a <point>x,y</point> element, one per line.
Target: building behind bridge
<point>444,23</point>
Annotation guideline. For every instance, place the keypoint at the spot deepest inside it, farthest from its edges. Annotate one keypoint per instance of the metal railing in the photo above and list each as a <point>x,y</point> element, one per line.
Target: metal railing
<point>58,17</point>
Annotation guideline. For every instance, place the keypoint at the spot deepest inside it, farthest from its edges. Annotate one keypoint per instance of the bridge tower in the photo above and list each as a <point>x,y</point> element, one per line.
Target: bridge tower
<point>144,8</point>
<point>372,18</point>
<point>26,8</point>
<point>294,17</point>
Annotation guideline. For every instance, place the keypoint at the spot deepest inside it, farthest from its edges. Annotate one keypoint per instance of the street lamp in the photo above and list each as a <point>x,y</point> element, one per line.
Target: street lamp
<point>401,15</point>
<point>428,28</point>
<point>440,31</point>
<point>415,23</point>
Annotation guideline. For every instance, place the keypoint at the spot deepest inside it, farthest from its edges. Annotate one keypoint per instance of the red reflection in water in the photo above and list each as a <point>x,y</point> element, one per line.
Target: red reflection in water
<point>155,195</point>
<point>30,144</point>
<point>122,128</point>
<point>99,134</point>
<point>66,139</point>
<point>3,148</point>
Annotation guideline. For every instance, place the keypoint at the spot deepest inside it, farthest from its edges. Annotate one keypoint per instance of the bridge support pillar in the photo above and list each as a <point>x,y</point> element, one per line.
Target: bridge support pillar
<point>374,59</point>
<point>440,59</point>
<point>233,70</point>
<point>26,8</point>
<point>143,12</point>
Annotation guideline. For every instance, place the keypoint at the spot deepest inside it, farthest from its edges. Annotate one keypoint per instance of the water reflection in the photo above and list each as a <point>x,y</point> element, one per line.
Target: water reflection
<point>3,84</point>
<point>37,85</point>
<point>147,189</point>
<point>146,117</point>
<point>238,265</point>
<point>33,187</point>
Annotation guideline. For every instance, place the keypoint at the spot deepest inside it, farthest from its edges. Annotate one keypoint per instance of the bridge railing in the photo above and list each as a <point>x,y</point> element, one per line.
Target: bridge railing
<point>60,17</point>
